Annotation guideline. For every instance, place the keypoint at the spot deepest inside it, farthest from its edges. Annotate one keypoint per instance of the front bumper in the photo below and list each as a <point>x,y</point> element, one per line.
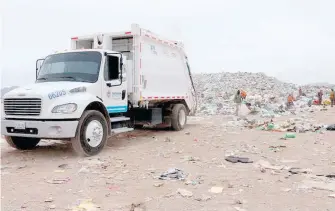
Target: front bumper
<point>39,129</point>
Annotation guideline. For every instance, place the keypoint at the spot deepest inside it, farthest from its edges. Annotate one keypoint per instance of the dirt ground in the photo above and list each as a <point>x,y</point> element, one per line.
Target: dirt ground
<point>125,175</point>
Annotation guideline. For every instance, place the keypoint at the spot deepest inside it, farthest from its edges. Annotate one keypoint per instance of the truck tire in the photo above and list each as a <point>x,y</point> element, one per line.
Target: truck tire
<point>178,117</point>
<point>22,143</point>
<point>91,134</point>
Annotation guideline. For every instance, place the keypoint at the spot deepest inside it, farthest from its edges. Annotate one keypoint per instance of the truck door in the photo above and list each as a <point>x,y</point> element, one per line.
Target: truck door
<point>114,88</point>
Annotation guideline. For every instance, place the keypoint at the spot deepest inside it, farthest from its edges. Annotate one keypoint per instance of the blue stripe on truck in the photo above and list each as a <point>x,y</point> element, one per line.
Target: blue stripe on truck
<point>117,109</point>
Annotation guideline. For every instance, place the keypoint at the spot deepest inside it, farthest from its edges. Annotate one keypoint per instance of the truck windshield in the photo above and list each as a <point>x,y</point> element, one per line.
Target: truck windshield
<point>72,66</point>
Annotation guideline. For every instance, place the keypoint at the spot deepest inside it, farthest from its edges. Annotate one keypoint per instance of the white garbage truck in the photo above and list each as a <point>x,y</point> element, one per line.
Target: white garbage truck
<point>107,83</point>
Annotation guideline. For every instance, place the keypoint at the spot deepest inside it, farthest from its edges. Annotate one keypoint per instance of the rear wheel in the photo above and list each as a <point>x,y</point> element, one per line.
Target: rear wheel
<point>178,117</point>
<point>91,135</point>
<point>22,143</point>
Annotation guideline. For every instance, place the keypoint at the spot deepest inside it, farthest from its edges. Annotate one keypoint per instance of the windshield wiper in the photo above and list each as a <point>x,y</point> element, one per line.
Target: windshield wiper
<point>75,79</point>
<point>42,78</point>
<point>70,77</point>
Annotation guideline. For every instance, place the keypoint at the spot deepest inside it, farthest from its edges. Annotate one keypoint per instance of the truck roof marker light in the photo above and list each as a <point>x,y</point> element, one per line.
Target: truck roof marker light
<point>74,38</point>
<point>127,33</point>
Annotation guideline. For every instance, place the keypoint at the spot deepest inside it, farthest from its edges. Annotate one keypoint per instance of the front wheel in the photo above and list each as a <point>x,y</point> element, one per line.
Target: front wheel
<point>91,135</point>
<point>22,143</point>
<point>178,117</point>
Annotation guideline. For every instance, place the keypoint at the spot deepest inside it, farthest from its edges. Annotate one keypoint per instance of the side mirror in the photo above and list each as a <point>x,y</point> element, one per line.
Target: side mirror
<point>39,63</point>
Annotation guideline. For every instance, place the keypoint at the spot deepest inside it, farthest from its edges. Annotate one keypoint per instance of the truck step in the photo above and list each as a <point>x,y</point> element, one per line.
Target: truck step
<point>122,130</point>
<point>119,119</point>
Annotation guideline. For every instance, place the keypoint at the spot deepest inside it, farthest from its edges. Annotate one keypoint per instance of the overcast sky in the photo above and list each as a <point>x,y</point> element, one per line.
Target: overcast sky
<point>293,40</point>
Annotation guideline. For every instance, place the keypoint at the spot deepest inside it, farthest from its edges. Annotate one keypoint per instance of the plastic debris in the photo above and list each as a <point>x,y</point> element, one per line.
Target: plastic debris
<point>234,159</point>
<point>289,135</point>
<point>277,148</point>
<point>216,189</point>
<point>137,207</point>
<point>203,197</point>
<point>58,181</point>
<point>184,192</point>
<point>52,207</point>
<point>295,170</point>
<point>49,200</point>
<point>173,174</point>
<point>86,205</point>
<point>158,184</point>
<point>331,127</point>
<point>266,165</point>
<point>320,185</point>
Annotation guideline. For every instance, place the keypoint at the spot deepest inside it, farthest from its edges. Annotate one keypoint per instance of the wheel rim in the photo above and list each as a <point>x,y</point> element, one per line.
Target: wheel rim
<point>182,117</point>
<point>94,133</point>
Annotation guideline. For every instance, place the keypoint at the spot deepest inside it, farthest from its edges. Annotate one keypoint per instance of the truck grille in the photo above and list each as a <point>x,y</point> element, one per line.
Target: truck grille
<point>22,106</point>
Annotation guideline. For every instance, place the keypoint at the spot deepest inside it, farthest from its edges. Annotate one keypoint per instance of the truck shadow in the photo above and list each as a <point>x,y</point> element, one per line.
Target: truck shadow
<point>146,135</point>
<point>46,148</point>
<point>56,148</point>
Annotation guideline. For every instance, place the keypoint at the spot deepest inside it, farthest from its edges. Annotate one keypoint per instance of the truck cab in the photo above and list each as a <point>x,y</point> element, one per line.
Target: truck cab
<point>94,90</point>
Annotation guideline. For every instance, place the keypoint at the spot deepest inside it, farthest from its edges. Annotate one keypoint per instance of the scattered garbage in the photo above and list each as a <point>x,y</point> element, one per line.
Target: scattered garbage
<point>331,176</point>
<point>184,192</point>
<point>203,197</point>
<point>158,184</point>
<point>320,185</point>
<point>83,170</point>
<point>239,209</point>
<point>266,165</point>
<point>277,148</point>
<point>173,174</point>
<point>113,188</point>
<point>22,166</point>
<point>295,170</point>
<point>59,171</point>
<point>216,189</point>
<point>331,127</point>
<point>289,135</point>
<point>137,207</point>
<point>234,159</point>
<point>86,205</point>
<point>49,200</point>
<point>63,166</point>
<point>52,207</point>
<point>191,158</point>
<point>58,181</point>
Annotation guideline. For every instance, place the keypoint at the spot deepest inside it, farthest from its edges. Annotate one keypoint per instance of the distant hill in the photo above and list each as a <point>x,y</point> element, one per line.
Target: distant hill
<point>7,89</point>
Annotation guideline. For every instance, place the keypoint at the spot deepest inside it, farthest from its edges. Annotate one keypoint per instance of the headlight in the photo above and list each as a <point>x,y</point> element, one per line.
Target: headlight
<point>78,89</point>
<point>65,108</point>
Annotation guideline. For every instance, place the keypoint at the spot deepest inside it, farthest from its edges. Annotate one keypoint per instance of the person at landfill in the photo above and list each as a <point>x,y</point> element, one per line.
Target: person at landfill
<point>310,102</point>
<point>290,100</point>
<point>300,92</point>
<point>237,101</point>
<point>332,97</point>
<point>320,94</point>
<point>243,94</point>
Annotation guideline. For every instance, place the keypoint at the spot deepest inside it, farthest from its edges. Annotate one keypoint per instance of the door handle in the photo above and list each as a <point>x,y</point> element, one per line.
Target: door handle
<point>123,94</point>
<point>109,84</point>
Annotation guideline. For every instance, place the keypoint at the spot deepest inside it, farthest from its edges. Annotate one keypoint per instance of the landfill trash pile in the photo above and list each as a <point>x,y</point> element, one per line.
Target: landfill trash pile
<point>298,125</point>
<point>267,95</point>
